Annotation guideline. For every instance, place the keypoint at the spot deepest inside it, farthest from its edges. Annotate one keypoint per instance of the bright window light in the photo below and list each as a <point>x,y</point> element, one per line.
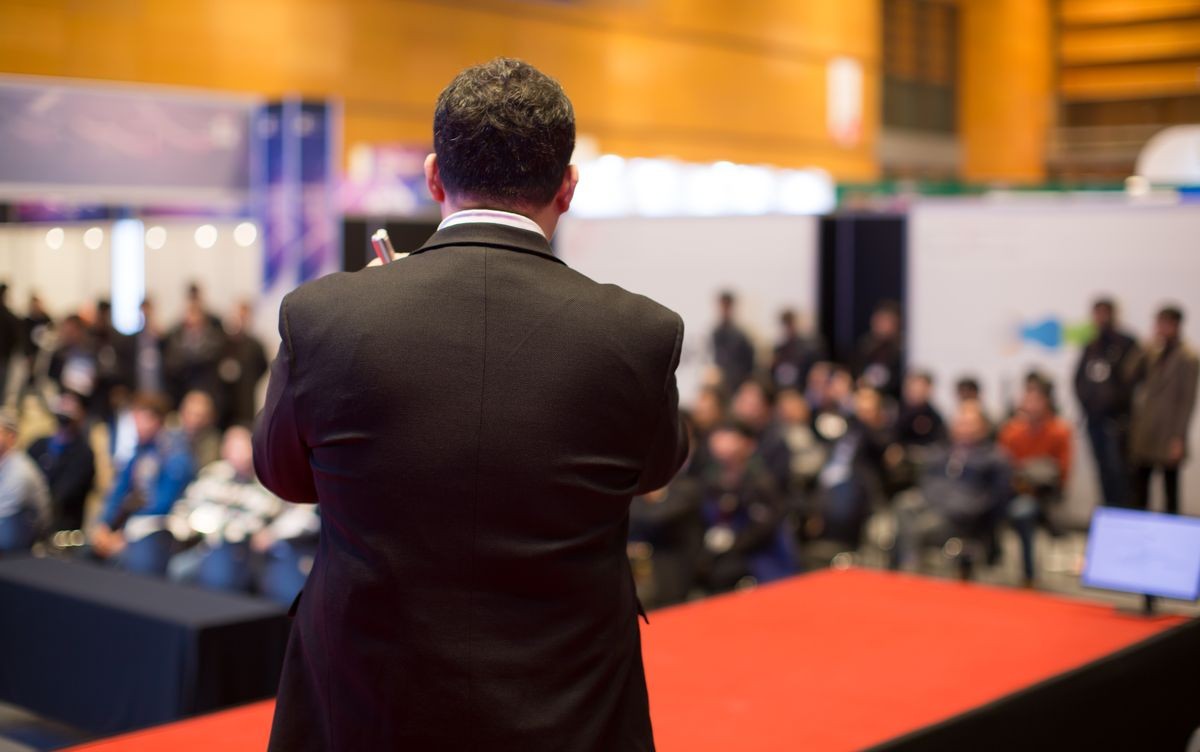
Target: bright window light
<point>128,274</point>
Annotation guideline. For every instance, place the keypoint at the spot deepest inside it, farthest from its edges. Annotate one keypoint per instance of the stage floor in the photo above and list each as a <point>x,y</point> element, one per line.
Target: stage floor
<point>836,660</point>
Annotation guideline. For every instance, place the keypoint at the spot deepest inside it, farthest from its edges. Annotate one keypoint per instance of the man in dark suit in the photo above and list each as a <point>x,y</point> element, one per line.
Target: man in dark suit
<point>473,420</point>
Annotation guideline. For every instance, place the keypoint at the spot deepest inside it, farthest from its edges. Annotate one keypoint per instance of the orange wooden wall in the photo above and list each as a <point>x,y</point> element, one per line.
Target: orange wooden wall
<point>695,79</point>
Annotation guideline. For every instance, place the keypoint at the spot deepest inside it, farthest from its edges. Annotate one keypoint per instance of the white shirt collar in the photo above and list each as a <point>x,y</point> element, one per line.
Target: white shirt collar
<point>492,216</point>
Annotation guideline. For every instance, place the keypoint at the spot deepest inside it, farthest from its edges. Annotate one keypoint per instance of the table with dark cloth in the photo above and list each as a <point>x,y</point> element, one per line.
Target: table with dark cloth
<point>107,651</point>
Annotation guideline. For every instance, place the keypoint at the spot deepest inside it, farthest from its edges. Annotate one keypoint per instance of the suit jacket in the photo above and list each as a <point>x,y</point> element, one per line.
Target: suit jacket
<point>473,420</point>
<point>1163,403</point>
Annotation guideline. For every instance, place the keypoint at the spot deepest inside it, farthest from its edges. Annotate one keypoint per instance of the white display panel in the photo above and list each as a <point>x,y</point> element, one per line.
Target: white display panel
<point>684,263</point>
<point>990,283</point>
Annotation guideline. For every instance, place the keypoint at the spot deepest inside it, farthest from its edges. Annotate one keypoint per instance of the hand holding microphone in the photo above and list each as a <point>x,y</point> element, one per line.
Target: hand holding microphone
<point>384,252</point>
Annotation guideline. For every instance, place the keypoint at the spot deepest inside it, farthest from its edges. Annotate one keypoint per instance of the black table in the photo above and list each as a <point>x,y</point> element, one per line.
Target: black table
<point>107,651</point>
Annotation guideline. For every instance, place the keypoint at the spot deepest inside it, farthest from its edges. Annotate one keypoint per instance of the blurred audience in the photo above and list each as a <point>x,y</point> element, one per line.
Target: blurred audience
<point>745,541</point>
<point>68,463</point>
<point>24,498</point>
<point>964,490</point>
<point>242,537</point>
<point>1104,388</point>
<point>1165,398</point>
<point>149,343</point>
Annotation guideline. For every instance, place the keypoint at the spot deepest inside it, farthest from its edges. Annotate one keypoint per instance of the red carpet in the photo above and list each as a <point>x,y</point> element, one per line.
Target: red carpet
<point>829,661</point>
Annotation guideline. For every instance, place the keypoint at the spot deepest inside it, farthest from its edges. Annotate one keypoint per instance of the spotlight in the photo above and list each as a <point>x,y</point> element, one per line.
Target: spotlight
<point>93,238</point>
<point>206,236</point>
<point>55,237</point>
<point>156,237</point>
<point>245,234</point>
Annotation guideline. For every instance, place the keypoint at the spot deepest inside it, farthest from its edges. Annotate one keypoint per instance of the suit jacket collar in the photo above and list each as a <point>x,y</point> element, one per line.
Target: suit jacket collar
<point>491,236</point>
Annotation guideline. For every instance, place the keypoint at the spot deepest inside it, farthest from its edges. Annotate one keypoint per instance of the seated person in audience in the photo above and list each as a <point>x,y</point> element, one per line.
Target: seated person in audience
<point>752,407</point>
<point>236,524</point>
<point>746,540</point>
<point>666,534</point>
<point>131,528</point>
<point>808,453</point>
<point>837,405</point>
<point>965,487</point>
<point>919,423</point>
<point>198,419</point>
<point>879,361</point>
<point>967,389</point>
<point>707,413</point>
<point>24,498</point>
<point>68,463</point>
<point>1039,444</point>
<point>816,386</point>
<point>794,354</point>
<point>73,363</point>
<point>854,474</point>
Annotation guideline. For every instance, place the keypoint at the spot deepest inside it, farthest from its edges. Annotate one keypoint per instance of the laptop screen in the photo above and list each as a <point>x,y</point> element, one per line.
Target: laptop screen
<point>1144,552</point>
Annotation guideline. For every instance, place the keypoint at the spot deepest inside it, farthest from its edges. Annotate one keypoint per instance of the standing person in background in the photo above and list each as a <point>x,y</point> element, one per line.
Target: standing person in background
<point>243,364</point>
<point>24,498</point>
<point>794,355</point>
<point>1162,409</point>
<point>68,463</point>
<point>114,363</point>
<point>732,350</point>
<point>1104,387</point>
<point>10,342</point>
<point>193,353</point>
<point>148,352</point>
<point>36,332</point>
<point>880,358</point>
<point>73,363</point>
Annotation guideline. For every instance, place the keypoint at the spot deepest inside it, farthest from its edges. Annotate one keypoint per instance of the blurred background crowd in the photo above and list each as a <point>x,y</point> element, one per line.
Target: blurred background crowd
<point>798,461</point>
<point>135,449</point>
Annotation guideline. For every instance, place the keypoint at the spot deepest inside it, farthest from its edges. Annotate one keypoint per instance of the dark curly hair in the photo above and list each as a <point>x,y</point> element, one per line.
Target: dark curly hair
<point>503,132</point>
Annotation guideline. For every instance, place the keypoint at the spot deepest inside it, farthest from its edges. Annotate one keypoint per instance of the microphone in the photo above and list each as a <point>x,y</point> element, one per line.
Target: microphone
<point>383,246</point>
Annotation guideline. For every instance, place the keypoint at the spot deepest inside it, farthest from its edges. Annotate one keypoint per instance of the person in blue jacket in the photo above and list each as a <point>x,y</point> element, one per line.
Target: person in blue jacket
<point>131,529</point>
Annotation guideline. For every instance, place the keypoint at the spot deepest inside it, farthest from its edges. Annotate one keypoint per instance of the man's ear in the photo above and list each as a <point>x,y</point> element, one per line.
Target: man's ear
<point>433,179</point>
<point>566,191</point>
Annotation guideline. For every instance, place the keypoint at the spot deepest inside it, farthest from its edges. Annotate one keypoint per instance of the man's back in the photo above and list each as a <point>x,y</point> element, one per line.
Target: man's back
<point>474,420</point>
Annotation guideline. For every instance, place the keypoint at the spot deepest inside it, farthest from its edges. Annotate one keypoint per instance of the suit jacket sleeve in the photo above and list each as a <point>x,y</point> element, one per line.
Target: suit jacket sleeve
<point>669,447</point>
<point>280,454</point>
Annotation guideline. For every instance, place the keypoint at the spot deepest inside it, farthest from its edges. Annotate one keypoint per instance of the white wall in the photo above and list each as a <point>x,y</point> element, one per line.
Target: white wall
<point>73,275</point>
<point>978,271</point>
<point>64,278</point>
<point>227,272</point>
<point>684,263</point>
